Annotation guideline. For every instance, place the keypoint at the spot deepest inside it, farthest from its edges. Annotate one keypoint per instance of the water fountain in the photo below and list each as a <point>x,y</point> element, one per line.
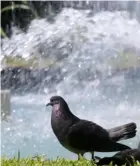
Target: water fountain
<point>90,59</point>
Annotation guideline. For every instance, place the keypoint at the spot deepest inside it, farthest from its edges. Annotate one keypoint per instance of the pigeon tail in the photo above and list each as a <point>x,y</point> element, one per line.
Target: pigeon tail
<point>113,146</point>
<point>122,132</point>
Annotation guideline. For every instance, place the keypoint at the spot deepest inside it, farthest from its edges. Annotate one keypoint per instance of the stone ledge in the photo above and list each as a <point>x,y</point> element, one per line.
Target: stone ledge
<point>20,79</point>
<point>23,80</point>
<point>5,103</point>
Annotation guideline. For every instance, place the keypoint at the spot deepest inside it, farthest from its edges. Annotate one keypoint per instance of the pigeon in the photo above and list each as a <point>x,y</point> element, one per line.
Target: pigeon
<point>80,136</point>
<point>121,158</point>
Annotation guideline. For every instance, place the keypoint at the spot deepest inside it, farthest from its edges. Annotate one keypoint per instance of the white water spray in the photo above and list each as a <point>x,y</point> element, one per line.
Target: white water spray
<point>83,42</point>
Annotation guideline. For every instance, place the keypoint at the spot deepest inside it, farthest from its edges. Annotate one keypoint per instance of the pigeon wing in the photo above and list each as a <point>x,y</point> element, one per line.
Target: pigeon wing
<point>86,135</point>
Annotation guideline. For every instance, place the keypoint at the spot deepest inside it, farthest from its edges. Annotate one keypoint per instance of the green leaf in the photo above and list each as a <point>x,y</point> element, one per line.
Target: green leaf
<point>3,34</point>
<point>16,6</point>
<point>12,7</point>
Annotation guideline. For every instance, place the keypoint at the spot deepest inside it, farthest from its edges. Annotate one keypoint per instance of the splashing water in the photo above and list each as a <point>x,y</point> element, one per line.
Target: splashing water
<point>82,42</point>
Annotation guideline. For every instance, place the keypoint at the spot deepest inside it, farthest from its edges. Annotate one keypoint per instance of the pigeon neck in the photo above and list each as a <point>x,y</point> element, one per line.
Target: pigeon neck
<point>66,111</point>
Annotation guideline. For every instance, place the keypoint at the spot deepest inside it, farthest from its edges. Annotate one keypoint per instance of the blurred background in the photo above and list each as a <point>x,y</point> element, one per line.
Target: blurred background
<point>86,51</point>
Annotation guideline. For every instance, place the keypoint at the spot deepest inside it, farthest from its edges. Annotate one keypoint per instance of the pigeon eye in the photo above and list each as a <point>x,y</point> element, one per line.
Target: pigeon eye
<point>52,100</point>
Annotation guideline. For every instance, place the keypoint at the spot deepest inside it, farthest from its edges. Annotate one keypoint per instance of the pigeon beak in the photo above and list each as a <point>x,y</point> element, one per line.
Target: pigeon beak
<point>49,104</point>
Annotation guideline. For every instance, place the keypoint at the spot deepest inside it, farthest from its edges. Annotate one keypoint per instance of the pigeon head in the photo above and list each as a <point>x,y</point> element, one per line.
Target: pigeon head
<point>55,100</point>
<point>58,103</point>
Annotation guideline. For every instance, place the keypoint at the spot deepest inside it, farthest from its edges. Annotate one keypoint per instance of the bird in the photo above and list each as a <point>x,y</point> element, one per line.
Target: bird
<point>80,136</point>
<point>121,158</point>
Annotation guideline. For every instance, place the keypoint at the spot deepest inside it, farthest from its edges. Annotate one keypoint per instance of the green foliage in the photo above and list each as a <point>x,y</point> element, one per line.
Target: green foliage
<point>12,7</point>
<point>19,61</point>
<point>31,62</point>
<point>3,34</point>
<point>41,161</point>
<point>124,60</point>
<point>23,6</point>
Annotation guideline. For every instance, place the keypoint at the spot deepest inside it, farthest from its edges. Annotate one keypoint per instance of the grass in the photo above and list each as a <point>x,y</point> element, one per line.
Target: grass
<point>40,161</point>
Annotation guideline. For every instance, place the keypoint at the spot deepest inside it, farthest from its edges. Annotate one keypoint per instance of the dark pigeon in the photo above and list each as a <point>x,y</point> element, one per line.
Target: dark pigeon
<point>81,136</point>
<point>121,158</point>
